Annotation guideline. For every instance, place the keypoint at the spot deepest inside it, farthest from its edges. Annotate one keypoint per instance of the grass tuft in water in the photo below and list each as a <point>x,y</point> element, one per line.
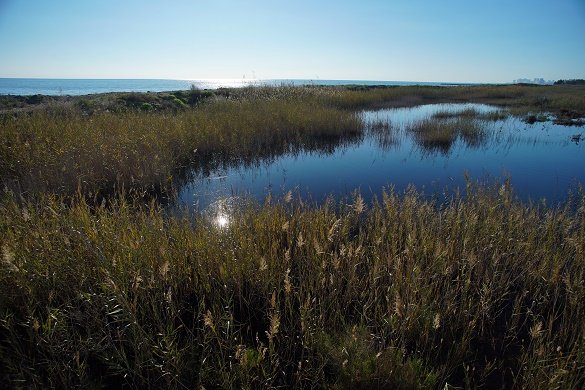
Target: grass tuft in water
<point>439,135</point>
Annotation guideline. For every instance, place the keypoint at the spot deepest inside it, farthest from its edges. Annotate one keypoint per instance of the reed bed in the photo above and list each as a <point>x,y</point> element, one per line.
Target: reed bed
<point>61,152</point>
<point>436,134</point>
<point>103,143</point>
<point>520,99</point>
<point>471,113</point>
<point>383,132</point>
<point>404,292</point>
<point>475,291</point>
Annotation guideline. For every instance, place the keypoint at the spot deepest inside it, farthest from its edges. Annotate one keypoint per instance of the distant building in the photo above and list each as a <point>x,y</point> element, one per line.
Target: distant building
<point>537,81</point>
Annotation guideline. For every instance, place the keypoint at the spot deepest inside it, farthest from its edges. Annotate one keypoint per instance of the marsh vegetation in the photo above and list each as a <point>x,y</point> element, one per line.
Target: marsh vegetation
<point>102,284</point>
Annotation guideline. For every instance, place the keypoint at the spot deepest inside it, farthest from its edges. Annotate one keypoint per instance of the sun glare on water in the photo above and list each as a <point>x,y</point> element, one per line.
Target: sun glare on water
<point>219,213</point>
<point>222,221</point>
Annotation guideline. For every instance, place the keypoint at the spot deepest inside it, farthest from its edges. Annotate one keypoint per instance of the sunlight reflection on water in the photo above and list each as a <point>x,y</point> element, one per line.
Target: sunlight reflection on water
<point>220,212</point>
<point>222,221</point>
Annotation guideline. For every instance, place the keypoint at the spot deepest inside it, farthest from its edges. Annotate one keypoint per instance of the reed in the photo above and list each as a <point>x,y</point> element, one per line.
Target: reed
<point>520,99</point>
<point>61,152</point>
<point>475,291</point>
<point>102,143</point>
<point>403,292</point>
<point>437,134</point>
<point>471,113</point>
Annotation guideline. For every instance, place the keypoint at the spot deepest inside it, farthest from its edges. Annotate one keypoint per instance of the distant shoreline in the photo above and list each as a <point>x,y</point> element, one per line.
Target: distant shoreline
<point>77,87</point>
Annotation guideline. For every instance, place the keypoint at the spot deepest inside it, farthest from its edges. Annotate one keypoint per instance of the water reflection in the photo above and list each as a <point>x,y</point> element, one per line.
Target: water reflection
<point>222,220</point>
<point>430,146</point>
<point>220,211</point>
<point>208,167</point>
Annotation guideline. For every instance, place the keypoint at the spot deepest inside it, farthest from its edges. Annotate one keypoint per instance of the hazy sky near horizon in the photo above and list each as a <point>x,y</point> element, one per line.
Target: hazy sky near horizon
<point>408,40</point>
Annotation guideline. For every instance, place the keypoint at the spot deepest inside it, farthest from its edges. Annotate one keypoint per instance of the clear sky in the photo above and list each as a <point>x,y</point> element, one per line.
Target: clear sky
<point>407,40</point>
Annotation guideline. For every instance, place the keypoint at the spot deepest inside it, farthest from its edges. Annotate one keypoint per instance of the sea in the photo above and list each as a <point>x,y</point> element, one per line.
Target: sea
<point>72,87</point>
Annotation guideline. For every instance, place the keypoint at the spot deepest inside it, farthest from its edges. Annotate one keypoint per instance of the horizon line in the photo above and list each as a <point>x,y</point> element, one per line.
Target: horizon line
<point>262,79</point>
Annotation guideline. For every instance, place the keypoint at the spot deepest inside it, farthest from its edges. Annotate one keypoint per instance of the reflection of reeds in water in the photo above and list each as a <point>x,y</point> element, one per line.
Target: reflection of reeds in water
<point>382,131</point>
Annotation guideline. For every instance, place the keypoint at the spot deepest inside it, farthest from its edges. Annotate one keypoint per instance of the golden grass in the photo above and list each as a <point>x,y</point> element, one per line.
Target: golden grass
<point>62,152</point>
<point>481,291</point>
<point>115,145</point>
<point>437,134</point>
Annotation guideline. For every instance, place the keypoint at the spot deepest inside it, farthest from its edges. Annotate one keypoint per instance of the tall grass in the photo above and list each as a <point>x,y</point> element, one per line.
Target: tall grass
<point>114,144</point>
<point>478,291</point>
<point>520,99</point>
<point>471,113</point>
<point>438,135</point>
<point>402,292</point>
<point>60,152</point>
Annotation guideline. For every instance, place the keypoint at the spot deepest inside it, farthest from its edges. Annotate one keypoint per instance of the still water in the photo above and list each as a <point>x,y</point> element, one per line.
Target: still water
<point>543,160</point>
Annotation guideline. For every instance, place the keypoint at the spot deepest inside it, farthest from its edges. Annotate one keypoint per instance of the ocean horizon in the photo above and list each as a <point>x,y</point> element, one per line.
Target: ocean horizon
<point>76,87</point>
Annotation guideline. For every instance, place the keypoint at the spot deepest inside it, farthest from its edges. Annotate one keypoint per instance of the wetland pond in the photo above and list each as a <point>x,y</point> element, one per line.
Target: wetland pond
<point>432,147</point>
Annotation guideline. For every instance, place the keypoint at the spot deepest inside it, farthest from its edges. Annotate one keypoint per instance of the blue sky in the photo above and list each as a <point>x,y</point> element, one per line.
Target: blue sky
<point>410,40</point>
